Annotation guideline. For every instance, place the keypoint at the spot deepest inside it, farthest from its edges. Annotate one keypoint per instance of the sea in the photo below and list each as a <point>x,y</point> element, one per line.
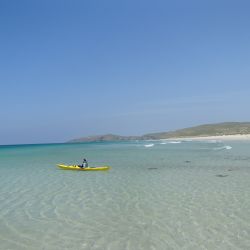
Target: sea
<point>158,195</point>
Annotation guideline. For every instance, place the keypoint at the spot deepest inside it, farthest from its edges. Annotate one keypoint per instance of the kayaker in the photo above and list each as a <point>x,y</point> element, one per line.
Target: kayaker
<point>84,163</point>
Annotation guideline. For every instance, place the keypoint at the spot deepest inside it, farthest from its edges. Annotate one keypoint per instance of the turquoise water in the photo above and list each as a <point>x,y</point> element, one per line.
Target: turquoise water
<point>158,195</point>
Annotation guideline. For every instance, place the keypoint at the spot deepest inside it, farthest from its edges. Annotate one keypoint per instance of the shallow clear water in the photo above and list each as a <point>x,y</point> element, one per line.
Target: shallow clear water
<point>158,195</point>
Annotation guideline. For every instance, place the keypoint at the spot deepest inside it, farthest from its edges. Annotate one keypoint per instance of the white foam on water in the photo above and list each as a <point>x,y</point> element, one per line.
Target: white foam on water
<point>148,145</point>
<point>212,141</point>
<point>227,147</point>
<point>175,142</point>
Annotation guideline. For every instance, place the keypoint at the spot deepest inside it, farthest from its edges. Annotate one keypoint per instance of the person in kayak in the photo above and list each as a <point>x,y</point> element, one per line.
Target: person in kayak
<point>84,163</point>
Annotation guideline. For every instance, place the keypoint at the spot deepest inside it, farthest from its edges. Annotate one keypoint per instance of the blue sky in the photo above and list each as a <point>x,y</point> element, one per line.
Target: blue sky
<point>77,68</point>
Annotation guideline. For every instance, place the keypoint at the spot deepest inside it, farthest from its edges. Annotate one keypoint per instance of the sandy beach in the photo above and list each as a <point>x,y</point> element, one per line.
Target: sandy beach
<point>238,137</point>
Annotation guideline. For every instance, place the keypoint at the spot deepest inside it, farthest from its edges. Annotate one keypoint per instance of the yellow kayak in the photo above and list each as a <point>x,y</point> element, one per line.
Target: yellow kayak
<point>76,167</point>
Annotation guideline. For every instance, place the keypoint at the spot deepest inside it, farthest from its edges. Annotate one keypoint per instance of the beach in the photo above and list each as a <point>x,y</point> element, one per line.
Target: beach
<point>237,137</point>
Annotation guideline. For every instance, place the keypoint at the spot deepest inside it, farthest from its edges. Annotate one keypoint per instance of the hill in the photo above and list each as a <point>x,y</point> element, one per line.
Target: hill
<point>108,137</point>
<point>226,128</point>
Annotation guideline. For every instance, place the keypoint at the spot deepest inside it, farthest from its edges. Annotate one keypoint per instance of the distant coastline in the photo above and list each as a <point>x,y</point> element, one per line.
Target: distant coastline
<point>237,137</point>
<point>219,131</point>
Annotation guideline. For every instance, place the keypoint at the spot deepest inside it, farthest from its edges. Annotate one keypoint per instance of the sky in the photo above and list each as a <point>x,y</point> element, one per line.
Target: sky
<point>74,68</point>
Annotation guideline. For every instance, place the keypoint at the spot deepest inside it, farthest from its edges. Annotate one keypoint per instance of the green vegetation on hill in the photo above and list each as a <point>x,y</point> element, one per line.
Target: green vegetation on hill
<point>226,128</point>
<point>108,137</point>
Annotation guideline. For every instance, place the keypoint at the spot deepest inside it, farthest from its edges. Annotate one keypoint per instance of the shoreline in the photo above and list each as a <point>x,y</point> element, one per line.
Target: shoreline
<point>238,137</point>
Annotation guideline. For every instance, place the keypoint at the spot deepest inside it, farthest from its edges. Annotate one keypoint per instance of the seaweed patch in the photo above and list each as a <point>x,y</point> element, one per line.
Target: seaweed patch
<point>221,175</point>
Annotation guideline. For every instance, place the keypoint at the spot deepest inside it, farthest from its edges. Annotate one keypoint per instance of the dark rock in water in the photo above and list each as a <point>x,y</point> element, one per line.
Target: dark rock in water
<point>221,175</point>
<point>152,168</point>
<point>187,161</point>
